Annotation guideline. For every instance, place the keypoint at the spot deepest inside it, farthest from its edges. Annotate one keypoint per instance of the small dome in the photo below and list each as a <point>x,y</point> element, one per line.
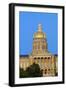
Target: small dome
<point>39,35</point>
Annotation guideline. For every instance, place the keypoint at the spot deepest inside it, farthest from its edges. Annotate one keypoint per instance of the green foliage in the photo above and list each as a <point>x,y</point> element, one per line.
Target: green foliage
<point>32,71</point>
<point>23,73</point>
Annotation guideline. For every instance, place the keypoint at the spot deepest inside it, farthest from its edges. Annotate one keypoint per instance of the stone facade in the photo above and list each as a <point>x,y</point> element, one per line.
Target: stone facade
<point>40,55</point>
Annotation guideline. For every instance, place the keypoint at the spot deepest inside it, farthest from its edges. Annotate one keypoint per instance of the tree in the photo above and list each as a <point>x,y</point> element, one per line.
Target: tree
<point>32,71</point>
<point>23,73</point>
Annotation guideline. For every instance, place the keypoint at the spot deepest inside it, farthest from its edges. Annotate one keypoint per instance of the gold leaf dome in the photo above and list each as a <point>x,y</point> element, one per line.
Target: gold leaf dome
<point>39,34</point>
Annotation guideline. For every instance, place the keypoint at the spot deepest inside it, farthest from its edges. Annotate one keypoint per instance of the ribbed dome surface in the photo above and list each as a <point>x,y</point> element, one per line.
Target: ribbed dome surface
<point>39,35</point>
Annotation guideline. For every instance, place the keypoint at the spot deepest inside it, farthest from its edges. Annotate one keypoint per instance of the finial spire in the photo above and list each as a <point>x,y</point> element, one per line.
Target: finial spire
<point>39,27</point>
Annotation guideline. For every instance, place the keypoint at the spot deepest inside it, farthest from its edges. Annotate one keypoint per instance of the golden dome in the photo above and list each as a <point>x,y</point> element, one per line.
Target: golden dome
<point>39,34</point>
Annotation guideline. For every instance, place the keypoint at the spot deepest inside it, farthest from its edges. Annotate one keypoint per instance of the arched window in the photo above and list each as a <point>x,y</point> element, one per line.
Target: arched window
<point>45,58</point>
<point>35,58</point>
<point>38,57</point>
<point>48,69</point>
<point>48,57</point>
<point>45,71</point>
<point>41,57</point>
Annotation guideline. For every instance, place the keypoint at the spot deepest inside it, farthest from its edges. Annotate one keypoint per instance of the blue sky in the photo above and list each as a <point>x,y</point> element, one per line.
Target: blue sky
<point>28,24</point>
